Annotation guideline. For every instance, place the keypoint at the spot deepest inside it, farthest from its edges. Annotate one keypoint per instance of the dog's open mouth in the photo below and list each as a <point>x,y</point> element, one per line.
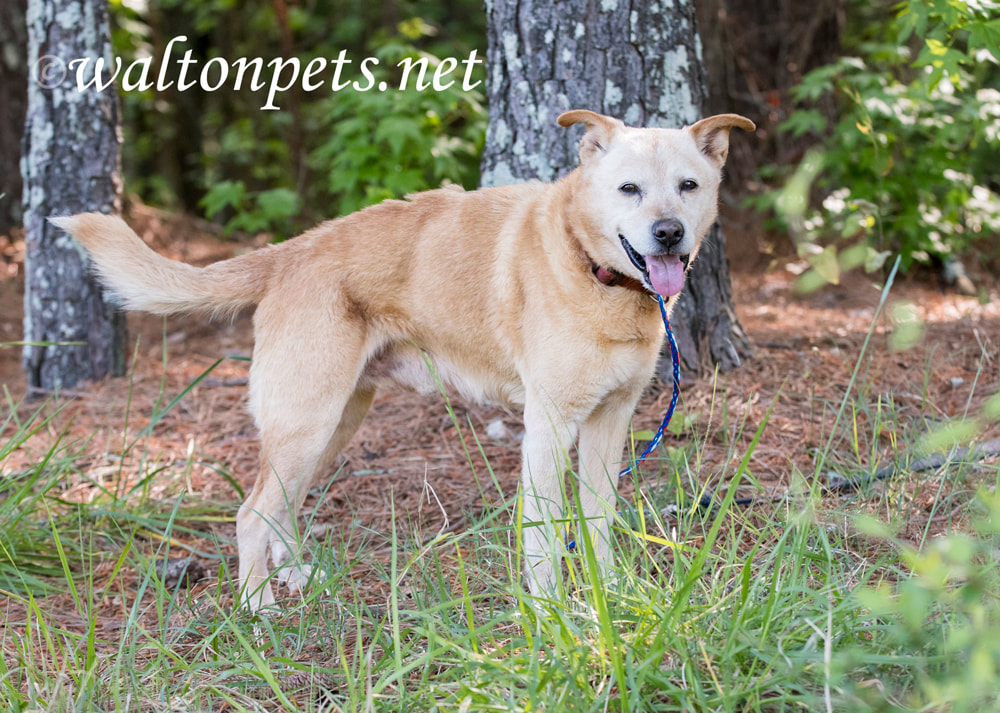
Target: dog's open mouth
<point>638,260</point>
<point>663,273</point>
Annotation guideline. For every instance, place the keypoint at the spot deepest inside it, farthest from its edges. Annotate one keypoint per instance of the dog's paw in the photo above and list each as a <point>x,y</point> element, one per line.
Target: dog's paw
<point>298,577</point>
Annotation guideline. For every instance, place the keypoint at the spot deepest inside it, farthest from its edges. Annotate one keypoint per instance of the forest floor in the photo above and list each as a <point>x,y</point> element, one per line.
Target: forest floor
<point>408,452</point>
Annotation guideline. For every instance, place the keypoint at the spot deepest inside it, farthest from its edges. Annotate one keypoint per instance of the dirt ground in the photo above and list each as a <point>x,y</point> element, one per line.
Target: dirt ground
<point>408,451</point>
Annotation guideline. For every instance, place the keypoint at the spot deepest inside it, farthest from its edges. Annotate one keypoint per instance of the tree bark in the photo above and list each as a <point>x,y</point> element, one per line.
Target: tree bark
<point>70,164</point>
<point>13,96</point>
<point>639,61</point>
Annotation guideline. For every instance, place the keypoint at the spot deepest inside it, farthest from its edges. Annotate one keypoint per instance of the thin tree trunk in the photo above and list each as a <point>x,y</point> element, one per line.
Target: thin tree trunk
<point>640,62</point>
<point>70,164</point>
<point>13,96</point>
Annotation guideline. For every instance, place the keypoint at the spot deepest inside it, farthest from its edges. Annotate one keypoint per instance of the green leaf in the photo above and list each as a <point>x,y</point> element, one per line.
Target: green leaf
<point>936,47</point>
<point>875,259</point>
<point>223,195</point>
<point>950,435</point>
<point>908,328</point>
<point>985,36</point>
<point>803,122</point>
<point>278,203</point>
<point>944,60</point>
<point>825,263</point>
<point>397,131</point>
<point>872,526</point>
<point>991,409</point>
<point>878,600</point>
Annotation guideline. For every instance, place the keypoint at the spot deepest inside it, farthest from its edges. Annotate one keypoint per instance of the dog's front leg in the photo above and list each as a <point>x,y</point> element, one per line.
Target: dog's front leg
<point>602,438</point>
<point>544,458</point>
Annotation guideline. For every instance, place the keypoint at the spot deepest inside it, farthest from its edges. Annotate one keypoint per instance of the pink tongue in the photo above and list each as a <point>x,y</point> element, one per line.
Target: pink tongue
<point>666,273</point>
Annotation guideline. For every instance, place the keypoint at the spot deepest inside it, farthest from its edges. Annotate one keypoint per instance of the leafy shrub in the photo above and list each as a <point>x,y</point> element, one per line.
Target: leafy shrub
<point>384,144</point>
<point>325,153</point>
<point>942,613</point>
<point>907,161</point>
<point>252,212</point>
<point>376,145</point>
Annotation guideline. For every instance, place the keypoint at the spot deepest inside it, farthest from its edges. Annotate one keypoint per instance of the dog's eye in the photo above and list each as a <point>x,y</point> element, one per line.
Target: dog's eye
<point>688,185</point>
<point>629,189</point>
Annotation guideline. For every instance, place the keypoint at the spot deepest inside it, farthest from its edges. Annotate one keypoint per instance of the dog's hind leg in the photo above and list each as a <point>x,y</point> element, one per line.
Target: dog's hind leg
<point>285,553</point>
<point>292,458</point>
<point>305,396</point>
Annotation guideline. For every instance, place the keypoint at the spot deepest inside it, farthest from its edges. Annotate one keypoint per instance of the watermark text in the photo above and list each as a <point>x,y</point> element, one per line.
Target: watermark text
<point>271,78</point>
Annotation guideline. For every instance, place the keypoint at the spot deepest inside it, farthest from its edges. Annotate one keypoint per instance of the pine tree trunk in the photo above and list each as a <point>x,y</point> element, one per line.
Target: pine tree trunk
<point>13,95</point>
<point>70,164</point>
<point>640,62</point>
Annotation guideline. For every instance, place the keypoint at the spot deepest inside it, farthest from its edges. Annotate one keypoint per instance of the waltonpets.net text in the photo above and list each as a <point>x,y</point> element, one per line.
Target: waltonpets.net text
<point>282,74</point>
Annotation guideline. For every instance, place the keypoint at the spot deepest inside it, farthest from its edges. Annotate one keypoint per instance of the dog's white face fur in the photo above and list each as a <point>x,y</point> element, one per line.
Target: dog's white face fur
<point>501,289</point>
<point>654,192</point>
<point>674,180</point>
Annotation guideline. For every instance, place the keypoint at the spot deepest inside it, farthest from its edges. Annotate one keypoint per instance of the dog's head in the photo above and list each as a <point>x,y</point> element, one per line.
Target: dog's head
<point>648,196</point>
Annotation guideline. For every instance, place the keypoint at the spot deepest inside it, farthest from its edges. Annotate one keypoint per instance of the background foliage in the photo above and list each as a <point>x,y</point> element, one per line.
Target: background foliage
<point>324,153</point>
<point>908,158</point>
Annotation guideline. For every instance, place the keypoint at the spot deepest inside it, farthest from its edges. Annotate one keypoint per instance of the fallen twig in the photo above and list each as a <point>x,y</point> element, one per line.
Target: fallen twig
<point>837,483</point>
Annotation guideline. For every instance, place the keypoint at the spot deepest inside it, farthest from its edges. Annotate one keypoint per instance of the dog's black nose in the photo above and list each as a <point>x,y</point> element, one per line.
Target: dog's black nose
<point>668,232</point>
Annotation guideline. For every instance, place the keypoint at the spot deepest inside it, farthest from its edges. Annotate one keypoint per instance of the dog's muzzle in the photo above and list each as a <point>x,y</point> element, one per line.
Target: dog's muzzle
<point>662,273</point>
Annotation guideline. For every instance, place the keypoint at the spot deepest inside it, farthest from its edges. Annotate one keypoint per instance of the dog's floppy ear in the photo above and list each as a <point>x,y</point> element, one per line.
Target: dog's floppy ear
<point>600,130</point>
<point>712,134</point>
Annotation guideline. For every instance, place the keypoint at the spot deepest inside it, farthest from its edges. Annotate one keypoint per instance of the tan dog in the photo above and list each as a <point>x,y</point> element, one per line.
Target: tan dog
<point>536,295</point>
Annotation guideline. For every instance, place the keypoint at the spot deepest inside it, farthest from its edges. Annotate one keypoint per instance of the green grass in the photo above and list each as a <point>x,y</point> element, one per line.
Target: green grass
<point>809,604</point>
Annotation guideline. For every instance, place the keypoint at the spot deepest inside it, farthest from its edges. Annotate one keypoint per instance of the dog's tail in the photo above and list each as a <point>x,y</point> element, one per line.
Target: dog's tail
<point>144,280</point>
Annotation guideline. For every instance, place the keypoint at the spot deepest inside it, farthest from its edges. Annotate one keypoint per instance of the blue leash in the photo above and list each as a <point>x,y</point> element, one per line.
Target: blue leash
<point>675,359</point>
<point>673,399</point>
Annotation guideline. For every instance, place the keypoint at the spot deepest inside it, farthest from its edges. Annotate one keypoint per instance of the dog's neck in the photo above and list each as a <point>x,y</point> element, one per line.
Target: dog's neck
<point>609,277</point>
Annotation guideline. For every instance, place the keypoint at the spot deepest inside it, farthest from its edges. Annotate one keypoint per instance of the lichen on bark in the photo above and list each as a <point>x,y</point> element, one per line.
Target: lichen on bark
<point>69,164</point>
